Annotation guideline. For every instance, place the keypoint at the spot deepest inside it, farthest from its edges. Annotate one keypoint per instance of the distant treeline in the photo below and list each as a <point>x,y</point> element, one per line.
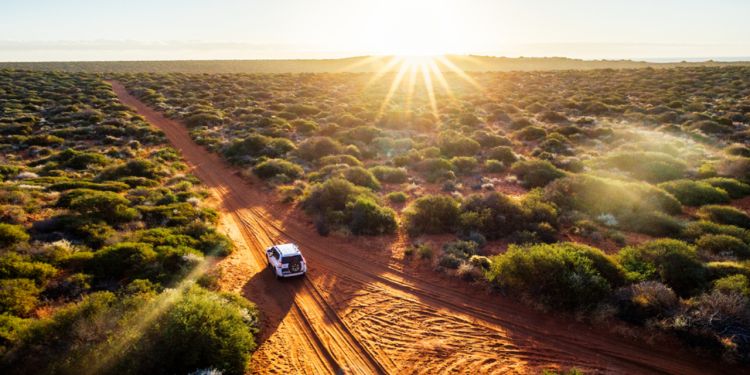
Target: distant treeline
<point>352,64</point>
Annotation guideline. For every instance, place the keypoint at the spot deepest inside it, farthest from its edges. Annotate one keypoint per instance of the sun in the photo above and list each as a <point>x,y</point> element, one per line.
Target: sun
<point>410,28</point>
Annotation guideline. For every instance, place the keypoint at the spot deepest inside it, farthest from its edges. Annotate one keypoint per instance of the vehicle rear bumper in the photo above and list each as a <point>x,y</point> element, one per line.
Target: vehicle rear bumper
<point>291,274</point>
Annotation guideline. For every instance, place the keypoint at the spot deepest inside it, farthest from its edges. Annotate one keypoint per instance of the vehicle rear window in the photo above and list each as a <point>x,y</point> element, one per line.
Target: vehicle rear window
<point>291,259</point>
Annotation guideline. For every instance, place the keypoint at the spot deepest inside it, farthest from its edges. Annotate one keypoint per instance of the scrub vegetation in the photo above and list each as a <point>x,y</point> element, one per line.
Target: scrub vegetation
<point>619,191</point>
<point>103,241</point>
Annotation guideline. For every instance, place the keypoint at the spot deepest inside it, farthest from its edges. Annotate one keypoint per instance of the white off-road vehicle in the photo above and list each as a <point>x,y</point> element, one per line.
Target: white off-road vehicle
<point>286,260</point>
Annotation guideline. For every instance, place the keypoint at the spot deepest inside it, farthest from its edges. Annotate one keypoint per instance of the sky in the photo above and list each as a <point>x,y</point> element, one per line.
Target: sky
<point>47,30</point>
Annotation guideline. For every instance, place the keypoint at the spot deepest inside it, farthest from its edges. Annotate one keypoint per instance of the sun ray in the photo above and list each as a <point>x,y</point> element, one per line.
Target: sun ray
<point>104,356</point>
<point>458,71</point>
<point>360,62</point>
<point>394,86</point>
<point>411,86</point>
<point>430,91</point>
<point>395,60</point>
<point>435,70</point>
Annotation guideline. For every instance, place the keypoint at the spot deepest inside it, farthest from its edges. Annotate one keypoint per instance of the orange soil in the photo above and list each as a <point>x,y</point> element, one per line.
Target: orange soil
<point>360,310</point>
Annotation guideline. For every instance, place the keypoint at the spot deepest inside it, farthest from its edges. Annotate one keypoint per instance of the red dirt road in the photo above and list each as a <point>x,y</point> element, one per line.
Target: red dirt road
<point>358,311</point>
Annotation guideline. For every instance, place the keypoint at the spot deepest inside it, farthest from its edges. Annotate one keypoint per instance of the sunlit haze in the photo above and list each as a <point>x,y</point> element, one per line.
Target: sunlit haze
<point>41,30</point>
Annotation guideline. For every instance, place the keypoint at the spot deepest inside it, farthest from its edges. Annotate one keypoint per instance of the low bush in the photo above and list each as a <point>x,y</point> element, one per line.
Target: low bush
<point>648,166</point>
<point>598,196</point>
<point>733,284</point>
<point>494,215</point>
<point>340,159</point>
<point>315,148</point>
<point>14,266</point>
<point>453,144</point>
<point>563,275</point>
<point>653,223</point>
<point>673,262</point>
<point>397,197</point>
<point>723,245</point>
<point>646,300</point>
<point>464,164</point>
<point>726,215</point>
<point>734,188</point>
<point>338,202</point>
<point>18,296</point>
<point>503,154</point>
<point>362,177</point>
<point>365,216</point>
<point>436,169</point>
<point>536,173</point>
<point>432,214</point>
<point>106,206</point>
<point>125,259</point>
<point>696,229</point>
<point>271,168</point>
<point>530,133</point>
<point>194,329</point>
<point>202,119</point>
<point>11,234</point>
<point>695,193</point>
<point>390,175</point>
<point>134,168</point>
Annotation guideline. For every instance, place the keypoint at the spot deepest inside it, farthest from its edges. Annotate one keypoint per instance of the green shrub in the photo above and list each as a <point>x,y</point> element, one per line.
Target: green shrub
<point>432,214</point>
<point>201,331</point>
<point>696,229</point>
<point>79,160</point>
<point>672,262</point>
<point>340,159</point>
<point>449,261</point>
<point>12,235</point>
<point>14,266</point>
<point>278,167</point>
<point>99,205</point>
<point>733,284</point>
<point>390,175</point>
<point>362,177</point>
<point>256,146</point>
<point>339,202</point>
<point>649,166</point>
<point>202,119</point>
<point>453,144</point>
<point>11,328</point>
<point>436,169</point>
<point>18,296</point>
<point>694,193</point>
<point>719,244</point>
<point>494,166</point>
<point>734,188</point>
<point>536,173</point>
<point>464,164</point>
<point>125,259</point>
<point>192,329</point>
<point>397,197</point>
<point>365,216</point>
<point>646,300</point>
<point>8,171</point>
<point>115,186</point>
<point>502,154</point>
<point>134,168</point>
<point>314,148</point>
<point>727,215</point>
<point>597,196</point>
<point>563,275</point>
<point>530,133</point>
<point>494,215</point>
<point>653,223</point>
